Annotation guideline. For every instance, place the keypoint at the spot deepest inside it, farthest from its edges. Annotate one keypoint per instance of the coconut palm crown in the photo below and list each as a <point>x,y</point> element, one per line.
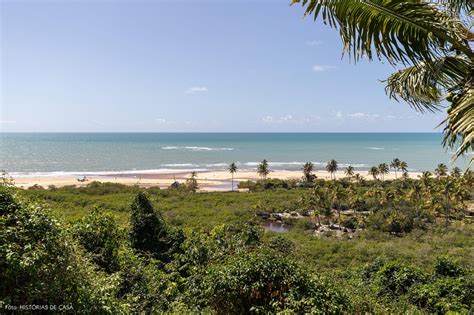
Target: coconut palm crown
<point>332,168</point>
<point>428,40</point>
<point>374,171</point>
<point>441,170</point>
<point>233,169</point>
<point>395,165</point>
<point>349,171</point>
<point>383,169</point>
<point>263,169</point>
<point>308,169</point>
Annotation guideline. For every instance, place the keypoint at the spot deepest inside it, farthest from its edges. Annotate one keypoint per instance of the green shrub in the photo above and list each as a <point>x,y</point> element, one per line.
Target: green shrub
<point>149,233</point>
<point>394,278</point>
<point>41,264</point>
<point>447,268</point>
<point>247,185</point>
<point>444,295</point>
<point>98,233</point>
<point>144,285</point>
<point>264,282</point>
<point>350,223</point>
<point>282,245</point>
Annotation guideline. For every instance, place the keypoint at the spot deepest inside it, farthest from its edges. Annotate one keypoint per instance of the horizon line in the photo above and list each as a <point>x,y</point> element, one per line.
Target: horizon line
<point>234,132</point>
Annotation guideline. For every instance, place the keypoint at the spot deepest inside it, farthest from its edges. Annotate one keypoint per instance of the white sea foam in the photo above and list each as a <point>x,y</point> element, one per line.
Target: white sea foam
<point>103,173</point>
<point>195,148</point>
<point>357,165</point>
<point>217,165</point>
<point>180,165</point>
<point>375,148</point>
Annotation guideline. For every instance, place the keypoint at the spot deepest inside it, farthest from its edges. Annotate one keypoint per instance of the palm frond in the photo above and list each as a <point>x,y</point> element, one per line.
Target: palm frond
<point>456,6</point>
<point>422,85</point>
<point>459,125</point>
<point>398,30</point>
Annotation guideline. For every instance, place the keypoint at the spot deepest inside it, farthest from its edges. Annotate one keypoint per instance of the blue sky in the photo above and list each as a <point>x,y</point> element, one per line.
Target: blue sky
<point>238,66</point>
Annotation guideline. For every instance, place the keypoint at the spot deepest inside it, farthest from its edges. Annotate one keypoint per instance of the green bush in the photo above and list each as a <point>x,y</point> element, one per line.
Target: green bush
<point>144,285</point>
<point>149,233</point>
<point>98,233</point>
<point>282,245</point>
<point>447,268</point>
<point>395,278</point>
<point>444,295</point>
<point>264,282</point>
<point>247,185</point>
<point>350,223</point>
<point>41,264</point>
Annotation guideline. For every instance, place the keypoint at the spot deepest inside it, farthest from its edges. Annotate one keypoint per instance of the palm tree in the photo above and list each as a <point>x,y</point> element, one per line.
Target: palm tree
<point>404,169</point>
<point>233,169</point>
<point>354,199</point>
<point>415,194</point>
<point>425,178</point>
<point>332,167</point>
<point>405,175</point>
<point>448,187</point>
<point>431,38</point>
<point>315,201</point>
<point>359,178</point>
<point>263,169</point>
<point>337,195</point>
<point>404,166</point>
<point>374,171</point>
<point>308,169</point>
<point>395,165</point>
<point>456,172</point>
<point>441,170</point>
<point>349,171</point>
<point>383,169</point>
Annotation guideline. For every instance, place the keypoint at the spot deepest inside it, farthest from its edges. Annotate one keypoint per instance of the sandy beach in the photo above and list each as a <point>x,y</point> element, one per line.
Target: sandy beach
<point>208,181</point>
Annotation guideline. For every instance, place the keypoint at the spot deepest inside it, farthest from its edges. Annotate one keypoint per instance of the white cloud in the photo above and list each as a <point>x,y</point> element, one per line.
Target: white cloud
<point>322,68</point>
<point>160,120</point>
<point>339,115</point>
<point>313,42</point>
<point>196,89</point>
<point>390,117</point>
<point>357,115</point>
<point>360,115</point>
<point>7,122</point>
<point>289,119</point>
<point>268,119</point>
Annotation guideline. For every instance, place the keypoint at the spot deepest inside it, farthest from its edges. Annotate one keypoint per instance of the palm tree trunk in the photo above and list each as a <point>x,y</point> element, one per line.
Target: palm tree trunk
<point>338,217</point>
<point>446,210</point>
<point>417,207</point>
<point>232,181</point>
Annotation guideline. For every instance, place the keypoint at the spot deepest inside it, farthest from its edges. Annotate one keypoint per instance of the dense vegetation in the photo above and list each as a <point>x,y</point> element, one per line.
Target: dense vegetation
<point>398,246</point>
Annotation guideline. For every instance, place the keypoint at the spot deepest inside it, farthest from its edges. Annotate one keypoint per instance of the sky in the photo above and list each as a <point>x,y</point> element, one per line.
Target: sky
<point>186,66</point>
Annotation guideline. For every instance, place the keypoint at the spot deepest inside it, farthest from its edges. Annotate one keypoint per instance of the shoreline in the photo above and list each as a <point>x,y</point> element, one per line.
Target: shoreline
<point>219,180</point>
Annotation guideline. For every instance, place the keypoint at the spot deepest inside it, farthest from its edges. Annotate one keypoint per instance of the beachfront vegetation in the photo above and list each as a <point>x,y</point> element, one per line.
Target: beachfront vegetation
<point>430,39</point>
<point>355,246</point>
<point>191,182</point>
<point>308,169</point>
<point>332,168</point>
<point>233,169</point>
<point>263,169</point>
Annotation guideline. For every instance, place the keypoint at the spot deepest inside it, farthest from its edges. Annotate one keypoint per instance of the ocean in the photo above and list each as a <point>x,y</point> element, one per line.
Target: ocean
<point>55,154</point>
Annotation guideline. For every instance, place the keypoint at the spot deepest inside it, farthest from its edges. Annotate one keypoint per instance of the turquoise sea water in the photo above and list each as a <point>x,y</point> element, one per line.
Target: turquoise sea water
<point>23,154</point>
